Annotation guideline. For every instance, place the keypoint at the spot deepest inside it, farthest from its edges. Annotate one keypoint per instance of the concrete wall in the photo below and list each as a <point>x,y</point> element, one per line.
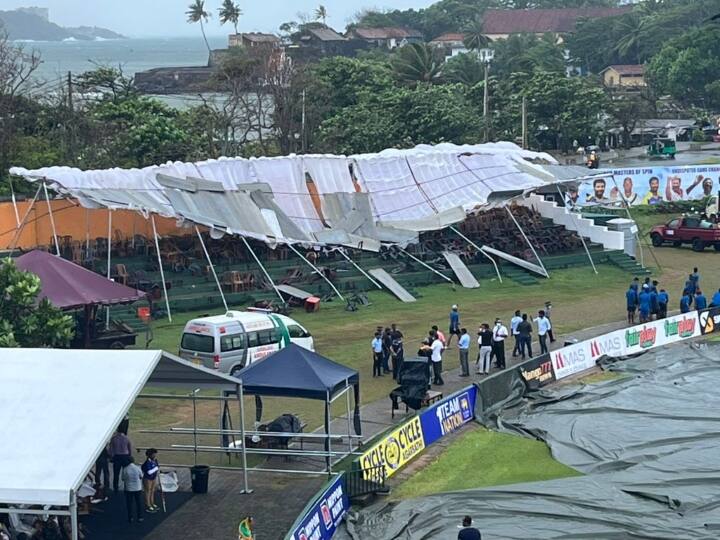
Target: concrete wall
<point>573,222</point>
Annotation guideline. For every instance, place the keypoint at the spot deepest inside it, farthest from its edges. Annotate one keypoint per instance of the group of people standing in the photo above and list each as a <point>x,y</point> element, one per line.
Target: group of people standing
<point>140,483</point>
<point>650,301</point>
<point>387,344</point>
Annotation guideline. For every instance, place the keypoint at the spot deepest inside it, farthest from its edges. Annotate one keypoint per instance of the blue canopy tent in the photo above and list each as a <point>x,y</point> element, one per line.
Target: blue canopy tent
<point>299,373</point>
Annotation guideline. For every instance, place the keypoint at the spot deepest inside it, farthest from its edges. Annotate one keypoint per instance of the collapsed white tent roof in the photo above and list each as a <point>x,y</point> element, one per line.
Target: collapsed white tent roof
<point>351,200</point>
<point>58,408</point>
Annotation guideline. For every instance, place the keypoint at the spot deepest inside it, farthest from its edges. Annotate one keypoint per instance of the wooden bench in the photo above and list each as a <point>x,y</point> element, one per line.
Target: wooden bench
<point>431,396</point>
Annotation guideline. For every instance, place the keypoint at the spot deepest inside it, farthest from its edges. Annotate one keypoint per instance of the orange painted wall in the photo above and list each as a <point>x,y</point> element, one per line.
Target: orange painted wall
<point>75,221</point>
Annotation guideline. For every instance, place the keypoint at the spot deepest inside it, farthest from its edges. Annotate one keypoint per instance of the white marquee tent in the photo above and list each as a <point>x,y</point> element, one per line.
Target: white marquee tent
<point>58,408</point>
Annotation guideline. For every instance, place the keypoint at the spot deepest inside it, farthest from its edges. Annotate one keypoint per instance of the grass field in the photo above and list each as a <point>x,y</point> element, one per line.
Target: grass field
<point>580,299</point>
<point>483,458</point>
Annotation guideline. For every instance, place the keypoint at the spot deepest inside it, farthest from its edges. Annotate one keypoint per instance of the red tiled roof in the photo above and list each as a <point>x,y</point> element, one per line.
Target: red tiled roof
<point>536,21</point>
<point>326,34</point>
<point>387,32</point>
<point>628,69</point>
<point>450,37</point>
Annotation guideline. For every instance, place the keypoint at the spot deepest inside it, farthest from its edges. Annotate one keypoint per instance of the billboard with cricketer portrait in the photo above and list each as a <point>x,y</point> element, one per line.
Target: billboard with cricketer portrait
<point>649,186</point>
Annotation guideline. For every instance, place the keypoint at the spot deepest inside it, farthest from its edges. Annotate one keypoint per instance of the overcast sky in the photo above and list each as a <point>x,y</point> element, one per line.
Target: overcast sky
<point>143,18</point>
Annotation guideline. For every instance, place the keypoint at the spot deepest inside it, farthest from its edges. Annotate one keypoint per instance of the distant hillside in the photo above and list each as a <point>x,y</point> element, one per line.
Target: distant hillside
<point>28,26</point>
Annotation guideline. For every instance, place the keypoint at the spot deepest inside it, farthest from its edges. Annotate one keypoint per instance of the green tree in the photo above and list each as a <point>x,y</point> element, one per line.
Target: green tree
<point>687,67</point>
<point>465,68</point>
<point>417,63</point>
<point>230,12</point>
<point>196,13</point>
<point>475,38</point>
<point>25,322</point>
<point>528,53</point>
<point>321,14</point>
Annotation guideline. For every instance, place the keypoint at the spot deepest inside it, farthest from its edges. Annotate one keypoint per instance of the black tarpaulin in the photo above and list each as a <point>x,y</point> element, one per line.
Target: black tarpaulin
<point>649,444</point>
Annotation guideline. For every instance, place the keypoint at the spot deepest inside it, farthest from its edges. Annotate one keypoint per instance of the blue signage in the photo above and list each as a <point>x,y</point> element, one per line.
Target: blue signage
<point>324,517</point>
<point>448,415</point>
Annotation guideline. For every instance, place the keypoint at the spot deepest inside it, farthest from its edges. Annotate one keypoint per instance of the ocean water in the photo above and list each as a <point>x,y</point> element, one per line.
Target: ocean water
<point>132,55</point>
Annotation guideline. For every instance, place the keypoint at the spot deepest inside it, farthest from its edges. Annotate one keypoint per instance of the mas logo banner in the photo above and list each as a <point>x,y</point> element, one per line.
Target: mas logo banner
<point>448,415</point>
<point>710,321</point>
<point>395,450</point>
<point>571,360</point>
<point>325,516</point>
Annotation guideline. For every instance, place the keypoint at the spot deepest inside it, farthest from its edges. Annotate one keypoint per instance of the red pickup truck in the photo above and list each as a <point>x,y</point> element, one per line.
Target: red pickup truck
<point>692,230</point>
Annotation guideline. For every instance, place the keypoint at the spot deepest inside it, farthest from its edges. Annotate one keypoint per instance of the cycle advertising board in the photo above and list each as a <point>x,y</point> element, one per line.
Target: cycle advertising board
<point>395,449</point>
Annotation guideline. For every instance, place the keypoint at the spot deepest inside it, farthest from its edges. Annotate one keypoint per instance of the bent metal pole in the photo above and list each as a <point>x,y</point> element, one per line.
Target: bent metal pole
<point>317,271</point>
<point>473,244</point>
<point>414,258</point>
<point>162,272</point>
<point>265,272</point>
<point>52,220</point>
<point>212,268</point>
<point>522,232</point>
<point>21,226</point>
<point>357,267</point>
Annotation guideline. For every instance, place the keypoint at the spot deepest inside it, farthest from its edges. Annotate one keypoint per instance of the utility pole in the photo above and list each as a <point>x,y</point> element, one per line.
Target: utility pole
<point>486,100</point>
<point>69,123</point>
<point>303,138</point>
<point>524,124</point>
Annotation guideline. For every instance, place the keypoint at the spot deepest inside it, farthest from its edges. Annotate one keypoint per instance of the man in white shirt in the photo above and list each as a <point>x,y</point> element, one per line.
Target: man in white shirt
<point>514,322</point>
<point>500,333</point>
<point>543,324</point>
<point>436,358</point>
<point>464,349</point>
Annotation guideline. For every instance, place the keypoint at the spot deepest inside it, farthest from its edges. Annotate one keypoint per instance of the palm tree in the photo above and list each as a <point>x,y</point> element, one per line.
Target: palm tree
<point>475,38</point>
<point>417,62</point>
<point>196,13</point>
<point>230,12</point>
<point>464,68</point>
<point>321,13</point>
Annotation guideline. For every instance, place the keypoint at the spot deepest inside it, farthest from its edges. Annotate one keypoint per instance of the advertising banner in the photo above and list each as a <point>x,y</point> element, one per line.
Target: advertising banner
<point>649,186</point>
<point>394,450</point>
<point>571,360</point>
<point>709,320</point>
<point>538,372</point>
<point>663,332</point>
<point>324,517</point>
<point>448,415</point>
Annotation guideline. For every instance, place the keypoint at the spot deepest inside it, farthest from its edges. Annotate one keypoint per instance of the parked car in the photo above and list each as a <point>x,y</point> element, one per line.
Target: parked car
<point>237,339</point>
<point>693,230</point>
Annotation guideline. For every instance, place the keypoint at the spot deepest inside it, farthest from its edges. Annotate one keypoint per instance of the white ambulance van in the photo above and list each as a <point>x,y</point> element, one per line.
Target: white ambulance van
<point>237,339</point>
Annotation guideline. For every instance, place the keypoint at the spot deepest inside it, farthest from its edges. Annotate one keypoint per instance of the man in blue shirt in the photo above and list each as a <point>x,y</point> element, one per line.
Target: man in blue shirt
<point>653,302</point>
<point>454,329</point>
<point>695,278</point>
<point>685,302</point>
<point>700,300</point>
<point>631,297</point>
<point>663,300</point>
<point>644,302</point>
<point>716,299</point>
<point>464,349</point>
<point>468,532</point>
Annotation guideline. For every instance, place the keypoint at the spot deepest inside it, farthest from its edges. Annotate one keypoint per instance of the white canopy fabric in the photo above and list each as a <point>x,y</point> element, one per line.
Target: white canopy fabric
<point>58,408</point>
<point>285,197</point>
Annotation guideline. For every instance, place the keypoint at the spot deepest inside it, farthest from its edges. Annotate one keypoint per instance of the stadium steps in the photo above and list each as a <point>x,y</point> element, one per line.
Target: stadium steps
<point>517,274</point>
<point>627,263</point>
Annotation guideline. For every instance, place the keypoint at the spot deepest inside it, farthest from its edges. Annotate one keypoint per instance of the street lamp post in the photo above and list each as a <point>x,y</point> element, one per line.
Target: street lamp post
<point>486,56</point>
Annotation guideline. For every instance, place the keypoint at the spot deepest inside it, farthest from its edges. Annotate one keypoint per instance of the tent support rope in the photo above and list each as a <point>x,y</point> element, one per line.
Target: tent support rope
<point>264,271</point>
<point>317,271</point>
<point>357,267</point>
<point>527,240</point>
<point>582,239</point>
<point>212,267</point>
<point>52,220</point>
<point>473,244</point>
<point>425,265</point>
<point>162,272</point>
<point>20,228</point>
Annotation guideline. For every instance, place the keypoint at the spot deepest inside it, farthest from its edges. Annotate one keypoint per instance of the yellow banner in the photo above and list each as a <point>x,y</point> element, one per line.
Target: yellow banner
<point>395,450</point>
